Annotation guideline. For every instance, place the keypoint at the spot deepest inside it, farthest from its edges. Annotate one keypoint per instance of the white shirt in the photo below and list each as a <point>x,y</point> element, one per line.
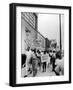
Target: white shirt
<point>28,56</point>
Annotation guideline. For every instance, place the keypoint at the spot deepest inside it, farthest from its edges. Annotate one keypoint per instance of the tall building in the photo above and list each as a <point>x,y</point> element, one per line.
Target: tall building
<point>47,43</point>
<point>30,37</point>
<point>28,29</point>
<point>40,41</point>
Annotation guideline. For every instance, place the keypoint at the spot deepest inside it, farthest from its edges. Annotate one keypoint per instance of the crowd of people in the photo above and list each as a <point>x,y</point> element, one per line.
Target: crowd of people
<point>38,60</point>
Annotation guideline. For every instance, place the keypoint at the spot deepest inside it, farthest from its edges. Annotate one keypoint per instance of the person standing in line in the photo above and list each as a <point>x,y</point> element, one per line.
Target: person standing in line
<point>28,58</point>
<point>34,63</point>
<point>59,70</point>
<point>53,58</point>
<point>38,53</point>
<point>42,53</point>
<point>48,59</point>
<point>43,59</point>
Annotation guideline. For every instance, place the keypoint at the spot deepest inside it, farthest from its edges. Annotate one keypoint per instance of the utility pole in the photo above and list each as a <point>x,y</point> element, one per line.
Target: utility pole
<point>60,31</point>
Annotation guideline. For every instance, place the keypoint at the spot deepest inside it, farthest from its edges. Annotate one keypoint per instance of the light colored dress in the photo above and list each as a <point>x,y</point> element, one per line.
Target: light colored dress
<point>60,66</point>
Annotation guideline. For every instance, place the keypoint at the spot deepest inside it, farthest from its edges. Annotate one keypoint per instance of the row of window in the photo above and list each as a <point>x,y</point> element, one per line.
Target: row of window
<point>30,18</point>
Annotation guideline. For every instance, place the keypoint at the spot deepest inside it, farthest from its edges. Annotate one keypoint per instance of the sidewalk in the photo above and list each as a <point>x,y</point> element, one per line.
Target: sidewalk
<point>48,72</point>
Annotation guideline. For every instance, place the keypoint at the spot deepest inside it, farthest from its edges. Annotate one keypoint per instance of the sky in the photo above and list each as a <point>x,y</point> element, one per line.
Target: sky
<point>48,26</point>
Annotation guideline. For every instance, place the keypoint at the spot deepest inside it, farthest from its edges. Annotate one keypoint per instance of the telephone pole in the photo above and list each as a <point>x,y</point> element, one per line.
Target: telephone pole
<point>60,31</point>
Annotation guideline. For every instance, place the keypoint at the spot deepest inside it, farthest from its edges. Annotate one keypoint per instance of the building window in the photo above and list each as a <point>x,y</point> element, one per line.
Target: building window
<point>30,18</point>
